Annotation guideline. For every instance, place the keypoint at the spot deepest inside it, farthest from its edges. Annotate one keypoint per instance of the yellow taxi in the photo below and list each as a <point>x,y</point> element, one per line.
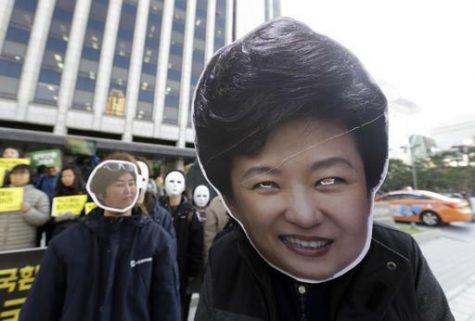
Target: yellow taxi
<point>424,206</point>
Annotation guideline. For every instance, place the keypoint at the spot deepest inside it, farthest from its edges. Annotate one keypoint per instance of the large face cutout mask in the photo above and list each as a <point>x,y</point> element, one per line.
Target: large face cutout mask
<point>302,200</point>
<point>174,183</point>
<point>115,185</point>
<point>201,196</point>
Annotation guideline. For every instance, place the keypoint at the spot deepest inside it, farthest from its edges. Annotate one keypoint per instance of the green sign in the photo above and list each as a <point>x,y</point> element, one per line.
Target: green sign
<point>80,146</point>
<point>50,157</point>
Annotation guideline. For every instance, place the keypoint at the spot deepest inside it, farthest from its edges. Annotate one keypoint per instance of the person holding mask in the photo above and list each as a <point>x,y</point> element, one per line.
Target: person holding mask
<point>18,228</point>
<point>116,264</point>
<point>189,234</point>
<point>293,133</point>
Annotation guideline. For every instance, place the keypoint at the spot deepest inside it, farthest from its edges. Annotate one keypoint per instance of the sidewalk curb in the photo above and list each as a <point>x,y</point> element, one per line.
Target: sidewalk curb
<point>427,235</point>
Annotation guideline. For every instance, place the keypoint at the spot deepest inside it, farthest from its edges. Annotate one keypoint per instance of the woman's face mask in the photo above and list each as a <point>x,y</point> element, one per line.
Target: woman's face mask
<point>115,185</point>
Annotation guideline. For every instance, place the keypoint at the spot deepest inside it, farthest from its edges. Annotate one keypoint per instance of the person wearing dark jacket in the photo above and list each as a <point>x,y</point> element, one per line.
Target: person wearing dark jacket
<point>117,264</point>
<point>292,131</point>
<point>70,183</point>
<point>189,234</point>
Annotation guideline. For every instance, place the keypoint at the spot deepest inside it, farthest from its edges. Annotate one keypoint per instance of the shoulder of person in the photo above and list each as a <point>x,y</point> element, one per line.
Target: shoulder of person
<point>394,239</point>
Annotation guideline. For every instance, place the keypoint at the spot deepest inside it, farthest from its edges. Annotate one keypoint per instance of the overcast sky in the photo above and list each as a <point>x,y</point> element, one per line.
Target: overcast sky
<point>421,50</point>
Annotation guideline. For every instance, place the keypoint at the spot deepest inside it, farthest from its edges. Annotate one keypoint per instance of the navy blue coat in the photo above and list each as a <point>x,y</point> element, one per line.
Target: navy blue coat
<point>107,269</point>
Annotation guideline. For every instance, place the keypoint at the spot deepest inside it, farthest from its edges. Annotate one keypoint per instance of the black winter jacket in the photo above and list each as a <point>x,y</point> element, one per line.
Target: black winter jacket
<point>393,282</point>
<point>104,269</point>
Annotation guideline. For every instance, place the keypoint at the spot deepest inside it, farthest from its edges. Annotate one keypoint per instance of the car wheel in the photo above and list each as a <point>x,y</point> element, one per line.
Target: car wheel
<point>430,218</point>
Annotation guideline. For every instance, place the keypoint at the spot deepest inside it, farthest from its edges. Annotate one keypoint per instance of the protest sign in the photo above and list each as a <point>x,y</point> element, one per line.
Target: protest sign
<point>9,163</point>
<point>71,204</point>
<point>2,175</point>
<point>17,273</point>
<point>89,207</point>
<point>50,157</point>
<point>11,199</point>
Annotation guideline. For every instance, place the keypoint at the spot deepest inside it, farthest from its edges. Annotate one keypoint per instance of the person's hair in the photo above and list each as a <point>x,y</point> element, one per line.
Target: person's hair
<point>108,177</point>
<point>281,71</point>
<point>76,188</point>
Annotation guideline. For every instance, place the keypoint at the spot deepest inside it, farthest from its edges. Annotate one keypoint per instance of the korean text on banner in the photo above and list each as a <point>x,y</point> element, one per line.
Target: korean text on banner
<point>71,204</point>
<point>9,163</point>
<point>17,273</point>
<point>11,199</point>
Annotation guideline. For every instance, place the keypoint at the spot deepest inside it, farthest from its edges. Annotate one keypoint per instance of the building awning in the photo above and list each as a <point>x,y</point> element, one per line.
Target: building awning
<point>50,139</point>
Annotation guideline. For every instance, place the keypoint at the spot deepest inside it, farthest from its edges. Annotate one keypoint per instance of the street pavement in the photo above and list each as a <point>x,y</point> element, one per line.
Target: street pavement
<point>450,252</point>
<point>451,256</point>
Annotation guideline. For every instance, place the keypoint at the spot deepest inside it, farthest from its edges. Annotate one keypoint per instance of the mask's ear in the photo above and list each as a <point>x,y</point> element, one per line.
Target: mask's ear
<point>142,179</point>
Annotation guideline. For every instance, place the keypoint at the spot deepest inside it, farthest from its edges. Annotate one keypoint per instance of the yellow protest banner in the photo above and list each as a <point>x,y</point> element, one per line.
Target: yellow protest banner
<point>71,204</point>
<point>9,163</point>
<point>89,207</point>
<point>2,175</point>
<point>11,199</point>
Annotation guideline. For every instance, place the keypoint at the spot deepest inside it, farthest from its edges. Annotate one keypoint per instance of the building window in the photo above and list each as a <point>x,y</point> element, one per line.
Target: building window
<point>150,60</point>
<point>123,51</point>
<point>14,47</point>
<point>53,59</point>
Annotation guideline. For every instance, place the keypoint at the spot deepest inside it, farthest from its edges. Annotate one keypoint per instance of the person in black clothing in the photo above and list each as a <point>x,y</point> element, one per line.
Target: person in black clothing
<point>70,183</point>
<point>292,131</point>
<point>189,234</point>
<point>117,264</point>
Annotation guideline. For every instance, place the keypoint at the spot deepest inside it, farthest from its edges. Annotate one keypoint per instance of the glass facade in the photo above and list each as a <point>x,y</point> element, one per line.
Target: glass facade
<point>91,52</point>
<point>172,92</point>
<point>14,47</point>
<point>122,54</point>
<point>150,59</point>
<point>220,24</point>
<point>199,41</point>
<point>49,80</point>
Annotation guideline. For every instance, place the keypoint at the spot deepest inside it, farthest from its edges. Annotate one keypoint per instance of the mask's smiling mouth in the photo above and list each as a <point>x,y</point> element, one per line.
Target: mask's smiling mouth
<point>307,246</point>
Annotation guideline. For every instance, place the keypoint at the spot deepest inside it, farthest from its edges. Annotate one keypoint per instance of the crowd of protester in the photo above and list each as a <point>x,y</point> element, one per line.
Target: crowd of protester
<point>167,201</point>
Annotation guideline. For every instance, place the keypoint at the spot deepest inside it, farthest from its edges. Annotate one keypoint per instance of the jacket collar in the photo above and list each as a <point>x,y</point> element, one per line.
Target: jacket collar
<point>99,224</point>
<point>364,293</point>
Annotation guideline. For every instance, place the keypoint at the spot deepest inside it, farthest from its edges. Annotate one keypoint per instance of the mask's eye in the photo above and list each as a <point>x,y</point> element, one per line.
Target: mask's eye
<point>328,181</point>
<point>266,186</point>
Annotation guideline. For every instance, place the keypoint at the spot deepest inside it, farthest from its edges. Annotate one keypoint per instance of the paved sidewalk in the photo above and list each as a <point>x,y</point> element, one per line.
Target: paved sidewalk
<point>453,263</point>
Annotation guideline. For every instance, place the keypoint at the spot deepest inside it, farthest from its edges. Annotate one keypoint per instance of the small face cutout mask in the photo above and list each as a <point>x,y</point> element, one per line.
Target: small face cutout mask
<point>201,196</point>
<point>174,183</point>
<point>115,185</point>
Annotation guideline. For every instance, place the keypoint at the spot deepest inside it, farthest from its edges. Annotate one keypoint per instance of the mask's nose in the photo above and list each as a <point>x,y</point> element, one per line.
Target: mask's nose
<point>303,209</point>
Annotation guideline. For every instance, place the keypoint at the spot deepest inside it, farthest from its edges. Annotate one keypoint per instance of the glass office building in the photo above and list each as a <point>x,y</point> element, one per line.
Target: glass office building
<point>120,68</point>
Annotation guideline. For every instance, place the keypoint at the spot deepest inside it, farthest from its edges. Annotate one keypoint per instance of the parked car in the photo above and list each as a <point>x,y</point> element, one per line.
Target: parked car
<point>427,207</point>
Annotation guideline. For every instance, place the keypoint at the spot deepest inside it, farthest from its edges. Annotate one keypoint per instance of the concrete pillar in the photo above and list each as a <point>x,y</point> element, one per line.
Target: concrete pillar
<point>210,26</point>
<point>106,61</point>
<point>135,67</point>
<point>34,56</point>
<point>228,33</point>
<point>162,65</point>
<point>187,61</point>
<point>6,8</point>
<point>71,63</point>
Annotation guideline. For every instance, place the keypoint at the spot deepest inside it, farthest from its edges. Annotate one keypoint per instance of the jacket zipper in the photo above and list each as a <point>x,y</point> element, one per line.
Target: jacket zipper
<point>302,290</point>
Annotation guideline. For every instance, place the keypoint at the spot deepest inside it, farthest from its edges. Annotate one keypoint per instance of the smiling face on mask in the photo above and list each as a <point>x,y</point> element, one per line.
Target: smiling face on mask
<point>201,196</point>
<point>302,199</point>
<point>174,183</point>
